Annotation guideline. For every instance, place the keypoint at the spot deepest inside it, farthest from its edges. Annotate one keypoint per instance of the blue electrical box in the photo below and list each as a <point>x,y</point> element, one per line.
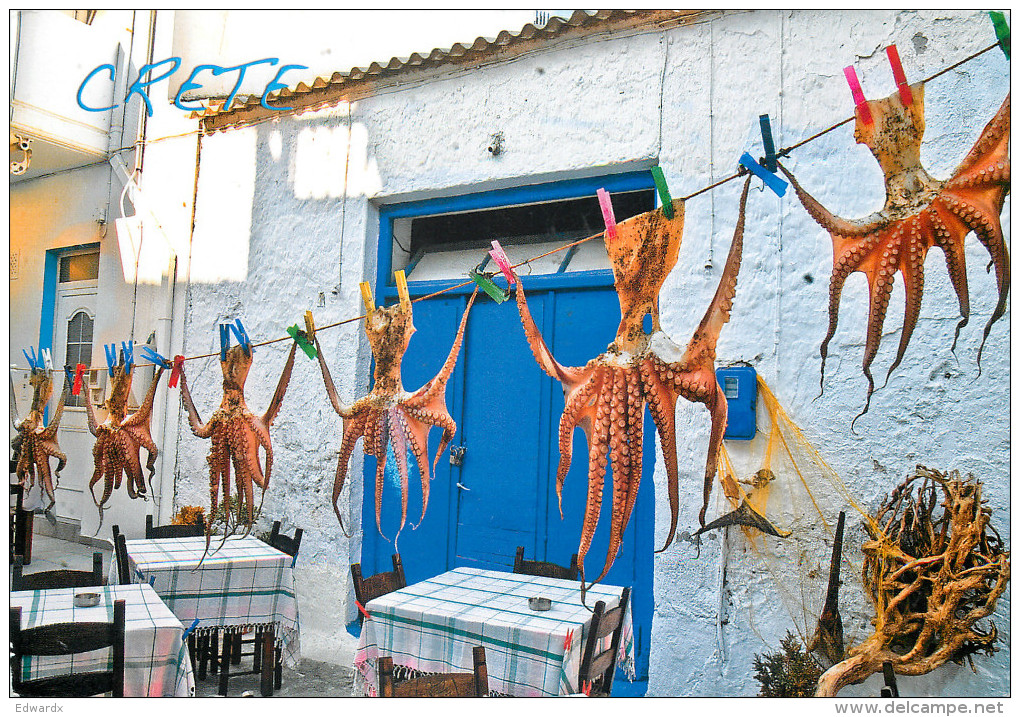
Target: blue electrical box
<point>740,385</point>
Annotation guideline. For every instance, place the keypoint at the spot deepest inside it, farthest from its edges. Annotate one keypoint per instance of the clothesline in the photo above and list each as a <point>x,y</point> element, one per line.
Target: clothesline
<point>742,171</point>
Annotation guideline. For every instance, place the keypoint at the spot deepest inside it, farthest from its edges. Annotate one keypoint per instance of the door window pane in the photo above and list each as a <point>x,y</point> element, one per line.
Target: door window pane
<point>79,349</point>
<point>79,267</point>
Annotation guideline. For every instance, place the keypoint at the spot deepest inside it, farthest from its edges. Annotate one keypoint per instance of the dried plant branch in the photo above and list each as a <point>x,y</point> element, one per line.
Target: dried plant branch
<point>931,575</point>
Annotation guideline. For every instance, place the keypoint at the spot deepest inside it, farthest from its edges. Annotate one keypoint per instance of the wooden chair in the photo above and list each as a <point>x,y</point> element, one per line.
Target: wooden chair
<point>55,579</point>
<point>599,666</point>
<point>158,532</point>
<point>454,684</point>
<point>284,543</point>
<point>290,546</point>
<point>68,639</point>
<point>545,570</point>
<point>22,523</point>
<point>369,588</point>
<point>120,555</point>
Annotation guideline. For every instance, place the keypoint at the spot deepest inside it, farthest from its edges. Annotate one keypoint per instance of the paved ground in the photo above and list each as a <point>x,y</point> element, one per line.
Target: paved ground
<point>311,679</point>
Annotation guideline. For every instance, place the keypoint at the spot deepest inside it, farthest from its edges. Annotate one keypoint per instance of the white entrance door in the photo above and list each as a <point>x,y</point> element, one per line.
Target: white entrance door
<point>73,322</point>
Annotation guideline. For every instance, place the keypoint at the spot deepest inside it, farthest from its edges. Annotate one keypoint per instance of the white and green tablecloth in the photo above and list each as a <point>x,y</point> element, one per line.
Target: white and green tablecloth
<point>433,625</point>
<point>242,585</point>
<point>156,662</point>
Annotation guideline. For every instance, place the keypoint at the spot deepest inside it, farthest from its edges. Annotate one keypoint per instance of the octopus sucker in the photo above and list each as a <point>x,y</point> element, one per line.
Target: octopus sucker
<point>389,415</point>
<point>121,438</point>
<point>607,397</point>
<point>237,435</point>
<point>919,212</point>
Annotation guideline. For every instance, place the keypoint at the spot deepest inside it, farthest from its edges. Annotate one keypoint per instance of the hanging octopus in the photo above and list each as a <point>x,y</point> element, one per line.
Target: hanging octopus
<point>389,414</point>
<point>237,435</point>
<point>35,443</point>
<point>121,438</point>
<point>606,398</point>
<point>919,212</point>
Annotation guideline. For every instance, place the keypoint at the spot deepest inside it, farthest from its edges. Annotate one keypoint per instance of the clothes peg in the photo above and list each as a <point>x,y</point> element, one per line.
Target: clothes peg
<point>768,144</point>
<point>301,338</point>
<point>858,94</point>
<point>485,284</point>
<point>366,297</point>
<point>111,357</point>
<point>310,326</point>
<point>68,374</point>
<point>47,359</point>
<point>79,372</point>
<point>899,75</point>
<point>664,195</point>
<point>242,336</point>
<point>405,296</point>
<point>129,354</point>
<point>224,341</point>
<point>1001,31</point>
<point>175,373</point>
<point>157,359</point>
<point>499,256</point>
<point>773,182</point>
<point>607,213</point>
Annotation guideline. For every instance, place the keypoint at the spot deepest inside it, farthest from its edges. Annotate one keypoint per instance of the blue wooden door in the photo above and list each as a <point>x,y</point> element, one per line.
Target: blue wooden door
<point>503,494</point>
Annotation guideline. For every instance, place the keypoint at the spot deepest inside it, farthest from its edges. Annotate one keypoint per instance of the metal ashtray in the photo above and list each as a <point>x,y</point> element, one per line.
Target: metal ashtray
<point>86,599</point>
<point>539,603</point>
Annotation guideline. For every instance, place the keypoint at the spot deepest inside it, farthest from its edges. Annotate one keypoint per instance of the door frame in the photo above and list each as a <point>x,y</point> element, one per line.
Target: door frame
<point>47,311</point>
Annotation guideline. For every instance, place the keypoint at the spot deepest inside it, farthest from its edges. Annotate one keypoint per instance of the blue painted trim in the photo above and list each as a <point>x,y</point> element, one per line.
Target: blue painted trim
<point>49,299</point>
<point>528,194</point>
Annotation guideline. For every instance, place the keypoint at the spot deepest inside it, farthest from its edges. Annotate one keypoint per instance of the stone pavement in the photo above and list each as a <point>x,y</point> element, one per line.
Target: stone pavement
<point>310,679</point>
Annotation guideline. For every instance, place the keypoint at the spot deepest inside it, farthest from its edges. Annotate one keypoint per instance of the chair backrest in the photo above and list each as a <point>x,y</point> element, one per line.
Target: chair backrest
<point>284,543</point>
<point>369,588</point>
<point>55,579</point>
<point>158,532</point>
<point>454,684</point>
<point>120,555</point>
<point>68,639</point>
<point>597,665</point>
<point>545,570</point>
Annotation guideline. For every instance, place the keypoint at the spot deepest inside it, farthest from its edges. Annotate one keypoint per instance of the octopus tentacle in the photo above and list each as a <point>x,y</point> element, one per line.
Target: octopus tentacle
<point>992,137</point>
<point>144,412</point>
<point>334,395</point>
<point>956,263</point>
<point>913,285</point>
<point>353,429</point>
<point>823,216</point>
<point>395,419</point>
<point>416,436</point>
<point>575,413</point>
<point>380,442</point>
<point>437,385</point>
<point>51,429</point>
<point>201,430</point>
<point>662,404</point>
<point>881,282</point>
<point>281,388</point>
<point>597,463</point>
<point>570,377</point>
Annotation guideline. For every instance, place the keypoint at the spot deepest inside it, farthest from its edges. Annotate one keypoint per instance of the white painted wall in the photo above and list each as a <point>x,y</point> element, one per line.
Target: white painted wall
<point>268,239</point>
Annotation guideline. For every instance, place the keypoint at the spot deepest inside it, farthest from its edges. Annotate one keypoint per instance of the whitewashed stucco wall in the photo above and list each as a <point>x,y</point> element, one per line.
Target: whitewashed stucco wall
<point>268,234</point>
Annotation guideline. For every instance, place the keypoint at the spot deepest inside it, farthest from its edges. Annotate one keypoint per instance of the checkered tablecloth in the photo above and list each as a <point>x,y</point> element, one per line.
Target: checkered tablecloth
<point>433,625</point>
<point>243,584</point>
<point>156,662</point>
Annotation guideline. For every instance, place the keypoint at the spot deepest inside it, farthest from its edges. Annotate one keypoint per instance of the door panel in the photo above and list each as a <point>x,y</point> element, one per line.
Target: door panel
<point>73,435</point>
<point>507,411</point>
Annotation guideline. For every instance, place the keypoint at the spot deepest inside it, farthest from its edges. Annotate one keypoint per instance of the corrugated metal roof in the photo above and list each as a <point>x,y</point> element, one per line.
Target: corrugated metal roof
<point>325,91</point>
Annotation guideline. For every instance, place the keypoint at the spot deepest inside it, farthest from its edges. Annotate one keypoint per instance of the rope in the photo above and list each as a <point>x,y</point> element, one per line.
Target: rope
<point>739,173</point>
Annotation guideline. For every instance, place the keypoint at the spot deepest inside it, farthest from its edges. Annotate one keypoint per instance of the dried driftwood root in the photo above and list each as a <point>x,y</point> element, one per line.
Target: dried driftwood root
<point>934,567</point>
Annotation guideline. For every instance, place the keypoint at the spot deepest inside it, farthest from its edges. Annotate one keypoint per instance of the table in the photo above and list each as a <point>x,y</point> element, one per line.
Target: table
<point>242,586</point>
<point>432,626</point>
<point>156,662</point>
